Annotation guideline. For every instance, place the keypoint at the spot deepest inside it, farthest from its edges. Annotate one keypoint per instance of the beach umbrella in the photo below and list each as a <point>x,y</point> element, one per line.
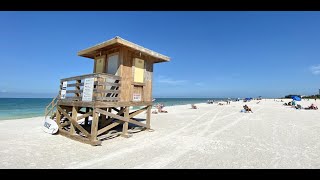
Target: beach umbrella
<point>296,98</point>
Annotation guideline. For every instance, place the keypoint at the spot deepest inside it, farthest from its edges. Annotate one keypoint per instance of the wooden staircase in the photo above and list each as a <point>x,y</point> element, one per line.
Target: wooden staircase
<point>51,108</point>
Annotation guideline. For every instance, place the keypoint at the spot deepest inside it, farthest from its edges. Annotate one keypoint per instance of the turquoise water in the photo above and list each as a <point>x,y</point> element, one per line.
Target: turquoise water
<point>15,108</point>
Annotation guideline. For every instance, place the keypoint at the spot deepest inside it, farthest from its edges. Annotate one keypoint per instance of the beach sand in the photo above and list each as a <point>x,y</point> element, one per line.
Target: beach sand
<point>274,136</point>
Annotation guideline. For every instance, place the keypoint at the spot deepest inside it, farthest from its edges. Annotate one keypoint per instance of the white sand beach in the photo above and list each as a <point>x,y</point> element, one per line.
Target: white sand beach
<point>212,136</point>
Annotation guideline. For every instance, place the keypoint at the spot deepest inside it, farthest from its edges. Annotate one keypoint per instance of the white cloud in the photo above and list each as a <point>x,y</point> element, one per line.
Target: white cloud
<point>315,69</point>
<point>166,80</point>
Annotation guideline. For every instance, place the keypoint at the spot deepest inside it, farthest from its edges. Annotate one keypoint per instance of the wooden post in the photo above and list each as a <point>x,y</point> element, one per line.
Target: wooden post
<point>58,118</point>
<point>86,120</point>
<point>94,126</point>
<point>78,87</point>
<point>148,117</point>
<point>125,124</point>
<point>74,116</point>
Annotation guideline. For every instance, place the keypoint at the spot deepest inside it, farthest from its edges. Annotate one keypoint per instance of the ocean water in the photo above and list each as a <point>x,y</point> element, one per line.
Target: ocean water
<point>15,108</point>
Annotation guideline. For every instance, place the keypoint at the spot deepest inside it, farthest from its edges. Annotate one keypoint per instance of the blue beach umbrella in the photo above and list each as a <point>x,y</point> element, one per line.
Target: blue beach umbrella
<point>296,98</point>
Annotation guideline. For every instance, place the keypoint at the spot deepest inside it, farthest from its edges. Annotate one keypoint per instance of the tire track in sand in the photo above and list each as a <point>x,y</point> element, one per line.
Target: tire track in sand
<point>162,161</point>
<point>134,147</point>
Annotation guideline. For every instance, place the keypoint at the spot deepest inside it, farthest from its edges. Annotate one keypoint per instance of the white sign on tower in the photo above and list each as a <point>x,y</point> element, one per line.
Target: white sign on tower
<point>64,90</point>
<point>87,89</point>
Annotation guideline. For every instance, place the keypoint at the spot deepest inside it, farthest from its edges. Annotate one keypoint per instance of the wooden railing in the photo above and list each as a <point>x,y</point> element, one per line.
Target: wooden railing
<point>51,107</point>
<point>105,87</point>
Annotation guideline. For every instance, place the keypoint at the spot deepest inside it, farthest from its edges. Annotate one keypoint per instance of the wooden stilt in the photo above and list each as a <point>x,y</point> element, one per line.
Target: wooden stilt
<point>148,117</point>
<point>79,138</point>
<point>125,124</point>
<point>94,126</point>
<point>74,116</point>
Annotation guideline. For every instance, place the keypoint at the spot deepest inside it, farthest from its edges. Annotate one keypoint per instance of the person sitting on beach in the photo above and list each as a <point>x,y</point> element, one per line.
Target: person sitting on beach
<point>154,112</point>
<point>312,107</point>
<point>159,107</point>
<point>298,106</point>
<point>220,103</point>
<point>247,109</point>
<point>193,106</point>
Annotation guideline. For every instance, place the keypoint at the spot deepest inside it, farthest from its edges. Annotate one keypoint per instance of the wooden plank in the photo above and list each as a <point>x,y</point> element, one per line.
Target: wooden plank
<point>49,111</point>
<point>125,124</point>
<point>74,122</point>
<point>73,98</point>
<point>94,125</point>
<point>147,89</point>
<point>79,138</point>
<point>108,84</point>
<point>107,128</point>
<point>132,114</point>
<point>76,103</point>
<point>138,84</point>
<point>84,116</point>
<point>75,84</point>
<point>74,91</point>
<point>126,75</point>
<point>148,119</point>
<point>107,91</point>
<point>74,78</point>
<point>107,98</point>
<point>110,119</point>
<point>110,76</point>
<point>101,104</point>
<point>137,123</point>
<point>93,75</point>
<point>121,41</point>
<point>111,115</point>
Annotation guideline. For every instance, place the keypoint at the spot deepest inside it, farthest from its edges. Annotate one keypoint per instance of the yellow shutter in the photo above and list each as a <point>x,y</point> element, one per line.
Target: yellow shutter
<point>139,70</point>
<point>99,65</point>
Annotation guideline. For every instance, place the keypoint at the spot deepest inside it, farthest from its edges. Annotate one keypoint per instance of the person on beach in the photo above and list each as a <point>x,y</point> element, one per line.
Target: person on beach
<point>312,107</point>
<point>193,106</point>
<point>298,106</point>
<point>247,109</point>
<point>159,107</point>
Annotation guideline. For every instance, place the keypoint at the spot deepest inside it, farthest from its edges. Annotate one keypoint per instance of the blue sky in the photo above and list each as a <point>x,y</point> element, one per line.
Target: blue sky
<point>213,54</point>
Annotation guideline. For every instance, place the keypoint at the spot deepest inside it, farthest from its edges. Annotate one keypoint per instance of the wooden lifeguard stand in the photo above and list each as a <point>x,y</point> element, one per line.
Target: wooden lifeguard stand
<point>89,106</point>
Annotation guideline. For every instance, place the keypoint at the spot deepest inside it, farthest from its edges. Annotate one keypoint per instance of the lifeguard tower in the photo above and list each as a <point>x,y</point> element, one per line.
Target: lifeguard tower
<point>91,105</point>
